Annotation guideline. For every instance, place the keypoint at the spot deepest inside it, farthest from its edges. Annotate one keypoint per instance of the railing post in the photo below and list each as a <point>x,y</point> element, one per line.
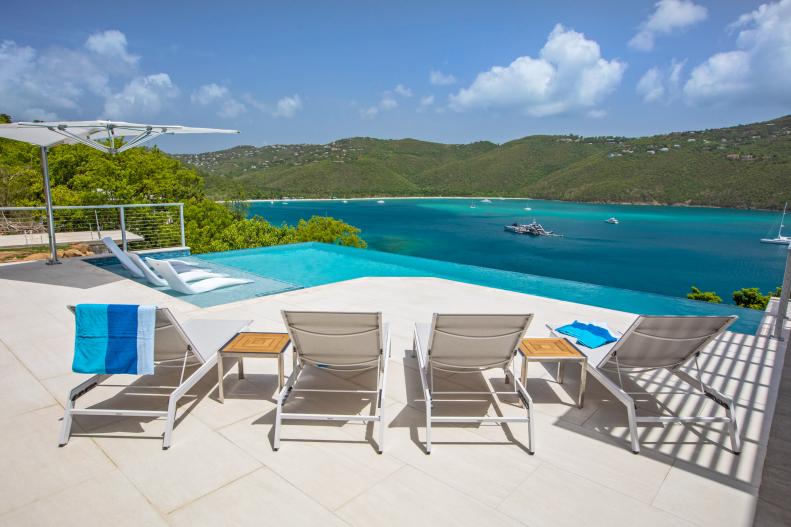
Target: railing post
<point>123,227</point>
<point>181,222</point>
<point>782,304</point>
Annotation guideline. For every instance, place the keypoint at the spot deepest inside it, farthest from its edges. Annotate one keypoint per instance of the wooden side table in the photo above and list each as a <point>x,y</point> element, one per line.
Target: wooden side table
<point>557,350</point>
<point>257,345</point>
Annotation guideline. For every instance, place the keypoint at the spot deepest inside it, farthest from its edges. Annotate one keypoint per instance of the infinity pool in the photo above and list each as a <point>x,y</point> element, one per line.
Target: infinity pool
<point>310,264</point>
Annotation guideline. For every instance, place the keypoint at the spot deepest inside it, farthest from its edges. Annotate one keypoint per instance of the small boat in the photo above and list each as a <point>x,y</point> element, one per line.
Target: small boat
<point>381,202</point>
<point>614,221</point>
<point>533,229</point>
<point>528,208</point>
<point>780,239</point>
<point>472,205</point>
<point>346,201</point>
<point>285,203</point>
<point>486,201</point>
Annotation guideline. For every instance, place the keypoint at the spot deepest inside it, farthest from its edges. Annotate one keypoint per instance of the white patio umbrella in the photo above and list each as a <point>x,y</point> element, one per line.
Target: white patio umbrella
<point>90,133</point>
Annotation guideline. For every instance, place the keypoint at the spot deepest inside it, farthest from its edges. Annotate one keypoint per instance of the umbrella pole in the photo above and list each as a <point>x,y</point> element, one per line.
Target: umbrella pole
<point>53,250</point>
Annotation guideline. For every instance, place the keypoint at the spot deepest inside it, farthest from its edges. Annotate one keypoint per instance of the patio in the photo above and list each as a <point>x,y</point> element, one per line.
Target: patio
<point>221,469</point>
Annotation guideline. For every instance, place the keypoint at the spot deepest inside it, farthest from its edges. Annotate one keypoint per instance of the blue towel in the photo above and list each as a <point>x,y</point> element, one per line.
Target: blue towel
<point>114,338</point>
<point>589,335</point>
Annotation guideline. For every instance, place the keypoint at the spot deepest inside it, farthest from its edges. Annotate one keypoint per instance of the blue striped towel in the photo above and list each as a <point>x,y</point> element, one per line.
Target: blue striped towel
<point>114,338</point>
<point>589,335</point>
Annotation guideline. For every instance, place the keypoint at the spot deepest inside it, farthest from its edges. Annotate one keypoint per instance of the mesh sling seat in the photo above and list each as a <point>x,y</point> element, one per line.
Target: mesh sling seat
<point>193,343</point>
<point>669,343</point>
<point>336,341</point>
<point>471,343</point>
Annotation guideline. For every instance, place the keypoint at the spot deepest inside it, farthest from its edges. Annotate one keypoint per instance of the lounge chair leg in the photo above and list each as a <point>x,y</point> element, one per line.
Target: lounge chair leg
<point>65,429</point>
<point>428,427</point>
<point>74,394</point>
<point>381,429</point>
<point>632,416</point>
<point>241,368</point>
<point>276,441</point>
<point>170,421</point>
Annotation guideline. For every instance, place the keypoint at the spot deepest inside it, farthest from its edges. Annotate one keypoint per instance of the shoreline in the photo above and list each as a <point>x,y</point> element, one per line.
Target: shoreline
<point>495,198</point>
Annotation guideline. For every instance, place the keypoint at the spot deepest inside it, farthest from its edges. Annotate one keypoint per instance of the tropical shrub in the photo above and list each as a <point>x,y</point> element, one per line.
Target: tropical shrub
<point>704,296</point>
<point>750,297</point>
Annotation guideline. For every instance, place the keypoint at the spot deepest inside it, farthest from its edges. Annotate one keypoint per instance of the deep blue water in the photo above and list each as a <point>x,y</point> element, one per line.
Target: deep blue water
<point>656,249</point>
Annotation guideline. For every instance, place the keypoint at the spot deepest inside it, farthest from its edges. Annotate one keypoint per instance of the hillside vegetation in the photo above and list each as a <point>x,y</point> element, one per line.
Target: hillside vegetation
<point>745,166</point>
<point>83,176</point>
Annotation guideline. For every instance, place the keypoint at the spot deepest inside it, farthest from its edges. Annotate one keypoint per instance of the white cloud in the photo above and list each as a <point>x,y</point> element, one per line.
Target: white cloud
<point>569,75</point>
<point>438,78</point>
<point>144,96</point>
<point>288,106</point>
<point>79,82</point>
<point>215,94</point>
<point>597,114</point>
<point>757,70</point>
<point>111,44</point>
<point>670,16</point>
<point>386,103</point>
<point>425,102</point>
<point>369,113</point>
<point>231,108</point>
<point>38,114</point>
<point>661,84</point>
<point>403,91</point>
<point>209,93</point>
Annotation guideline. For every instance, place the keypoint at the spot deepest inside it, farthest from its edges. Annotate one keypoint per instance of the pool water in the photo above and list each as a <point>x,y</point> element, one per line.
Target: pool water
<point>313,264</point>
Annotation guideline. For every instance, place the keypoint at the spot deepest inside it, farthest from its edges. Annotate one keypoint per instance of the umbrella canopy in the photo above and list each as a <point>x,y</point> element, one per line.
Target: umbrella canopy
<point>100,135</point>
<point>92,133</point>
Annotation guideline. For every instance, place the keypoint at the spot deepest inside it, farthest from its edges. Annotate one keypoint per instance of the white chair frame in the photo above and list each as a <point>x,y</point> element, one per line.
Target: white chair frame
<point>426,368</point>
<point>380,391</point>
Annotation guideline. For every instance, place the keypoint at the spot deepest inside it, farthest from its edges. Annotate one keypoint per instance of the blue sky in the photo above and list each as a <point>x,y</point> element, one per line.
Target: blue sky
<point>318,71</point>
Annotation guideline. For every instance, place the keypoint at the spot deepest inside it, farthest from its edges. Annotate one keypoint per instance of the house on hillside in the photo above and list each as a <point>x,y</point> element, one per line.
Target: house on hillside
<point>732,157</point>
<point>650,152</point>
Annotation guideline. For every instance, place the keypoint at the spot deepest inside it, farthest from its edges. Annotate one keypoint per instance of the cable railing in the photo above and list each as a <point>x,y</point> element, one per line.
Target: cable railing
<point>134,226</point>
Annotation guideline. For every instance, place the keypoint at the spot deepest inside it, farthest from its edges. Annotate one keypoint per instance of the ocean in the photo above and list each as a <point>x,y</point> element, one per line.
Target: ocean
<point>657,249</point>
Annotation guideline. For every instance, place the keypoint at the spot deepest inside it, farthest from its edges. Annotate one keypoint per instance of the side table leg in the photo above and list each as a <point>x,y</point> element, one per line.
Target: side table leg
<point>220,376</point>
<point>241,368</point>
<point>583,380</point>
<point>561,365</point>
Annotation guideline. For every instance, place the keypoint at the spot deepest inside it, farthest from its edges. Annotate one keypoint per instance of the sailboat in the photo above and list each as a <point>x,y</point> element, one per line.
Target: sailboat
<point>780,239</point>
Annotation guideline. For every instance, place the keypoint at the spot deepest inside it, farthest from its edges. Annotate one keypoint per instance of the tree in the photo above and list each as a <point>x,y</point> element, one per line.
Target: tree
<point>81,175</point>
<point>750,297</point>
<point>704,296</point>
<point>328,230</point>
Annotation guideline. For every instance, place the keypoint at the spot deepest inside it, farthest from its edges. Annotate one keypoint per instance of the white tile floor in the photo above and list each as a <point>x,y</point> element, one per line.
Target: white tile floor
<point>221,469</point>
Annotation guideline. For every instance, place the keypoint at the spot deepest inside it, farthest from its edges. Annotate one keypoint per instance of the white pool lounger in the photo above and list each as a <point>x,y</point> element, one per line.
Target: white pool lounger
<point>179,265</point>
<point>187,276</point>
<point>174,280</point>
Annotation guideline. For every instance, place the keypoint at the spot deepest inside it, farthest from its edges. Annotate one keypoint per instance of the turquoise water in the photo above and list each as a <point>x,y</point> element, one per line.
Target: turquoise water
<point>312,264</point>
<point>661,250</point>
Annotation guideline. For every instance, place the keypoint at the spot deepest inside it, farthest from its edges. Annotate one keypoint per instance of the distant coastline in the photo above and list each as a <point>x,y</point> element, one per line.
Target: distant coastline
<point>496,198</point>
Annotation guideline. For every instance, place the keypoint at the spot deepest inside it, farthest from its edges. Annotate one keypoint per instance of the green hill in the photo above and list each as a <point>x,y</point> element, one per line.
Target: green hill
<point>746,166</point>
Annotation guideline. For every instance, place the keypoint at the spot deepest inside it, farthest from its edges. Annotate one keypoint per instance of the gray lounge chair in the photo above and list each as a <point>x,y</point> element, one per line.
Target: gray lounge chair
<point>670,343</point>
<point>471,344</point>
<point>340,342</point>
<point>192,343</point>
